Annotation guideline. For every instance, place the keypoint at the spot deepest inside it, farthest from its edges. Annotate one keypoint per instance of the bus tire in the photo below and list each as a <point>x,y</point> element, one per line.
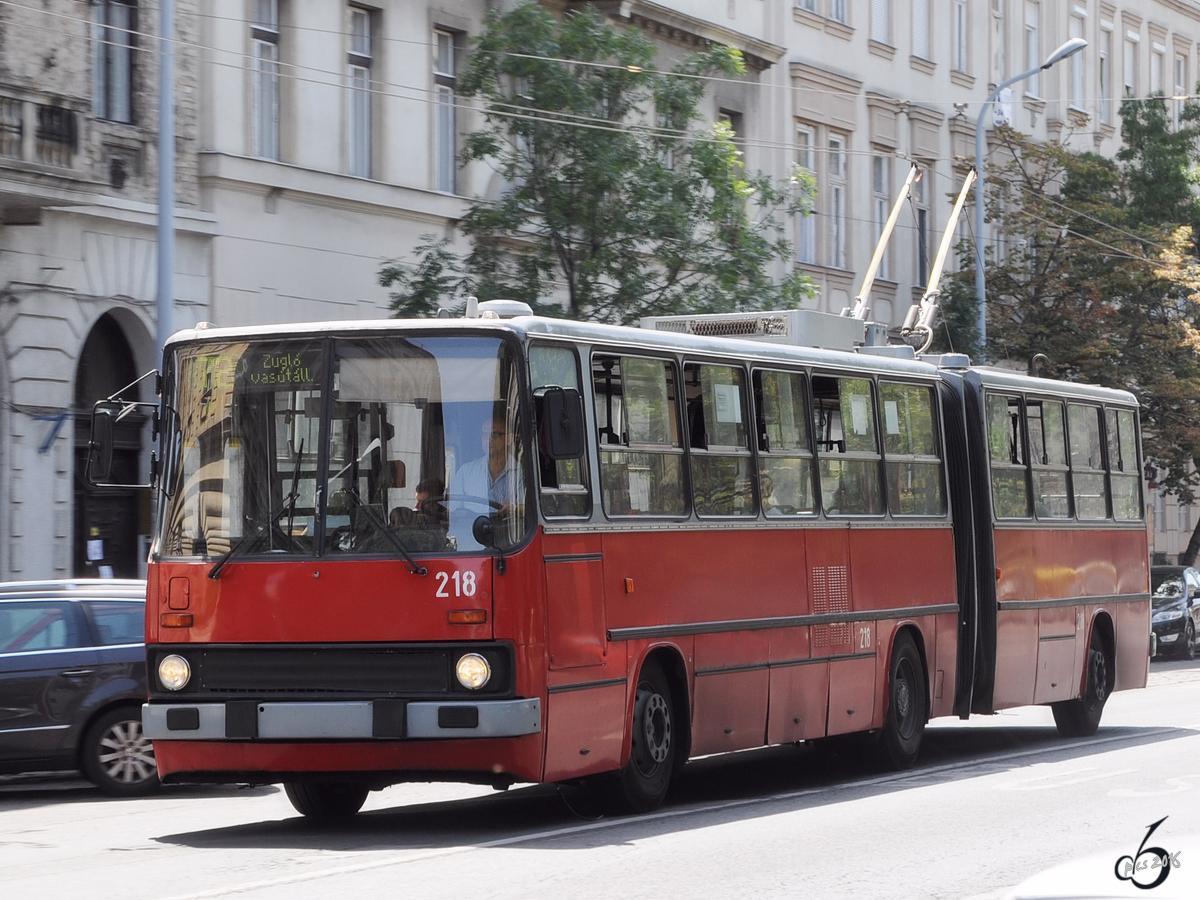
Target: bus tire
<point>908,706</point>
<point>643,783</point>
<point>326,799</point>
<point>1081,717</point>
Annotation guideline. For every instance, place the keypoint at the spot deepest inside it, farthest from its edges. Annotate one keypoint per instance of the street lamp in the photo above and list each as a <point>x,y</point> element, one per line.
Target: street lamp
<point>1069,48</point>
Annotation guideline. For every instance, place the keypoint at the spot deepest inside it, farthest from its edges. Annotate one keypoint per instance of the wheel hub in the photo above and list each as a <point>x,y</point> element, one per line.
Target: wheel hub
<point>657,727</point>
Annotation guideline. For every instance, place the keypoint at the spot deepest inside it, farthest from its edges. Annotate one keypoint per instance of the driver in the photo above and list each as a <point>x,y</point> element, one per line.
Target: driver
<point>491,477</point>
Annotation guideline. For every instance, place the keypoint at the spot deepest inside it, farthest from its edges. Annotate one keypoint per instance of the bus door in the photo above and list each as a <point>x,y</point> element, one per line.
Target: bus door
<point>585,675</point>
<point>849,458</point>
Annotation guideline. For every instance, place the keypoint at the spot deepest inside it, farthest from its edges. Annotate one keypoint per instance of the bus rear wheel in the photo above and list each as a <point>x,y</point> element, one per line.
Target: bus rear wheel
<point>1081,717</point>
<point>326,799</point>
<point>908,706</point>
<point>643,783</point>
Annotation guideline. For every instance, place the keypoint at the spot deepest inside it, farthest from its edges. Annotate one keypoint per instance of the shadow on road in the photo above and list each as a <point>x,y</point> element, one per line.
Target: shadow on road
<point>724,788</point>
<point>47,788</point>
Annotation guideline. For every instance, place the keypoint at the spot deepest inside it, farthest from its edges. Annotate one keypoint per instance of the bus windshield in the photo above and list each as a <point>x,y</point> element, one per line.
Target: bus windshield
<point>342,447</point>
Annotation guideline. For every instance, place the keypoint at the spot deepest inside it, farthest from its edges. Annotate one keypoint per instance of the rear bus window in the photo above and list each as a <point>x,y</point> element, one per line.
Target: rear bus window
<point>1048,450</point>
<point>637,425</point>
<point>785,475</point>
<point>719,439</point>
<point>1087,461</point>
<point>914,466</point>
<point>1124,477</point>
<point>1006,450</point>
<point>847,446</point>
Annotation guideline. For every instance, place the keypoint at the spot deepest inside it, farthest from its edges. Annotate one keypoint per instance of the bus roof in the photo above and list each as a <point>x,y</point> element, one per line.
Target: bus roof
<point>643,338</point>
<point>585,332</point>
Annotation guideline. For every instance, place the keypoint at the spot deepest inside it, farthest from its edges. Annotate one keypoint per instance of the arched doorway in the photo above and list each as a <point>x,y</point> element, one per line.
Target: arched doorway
<point>107,520</point>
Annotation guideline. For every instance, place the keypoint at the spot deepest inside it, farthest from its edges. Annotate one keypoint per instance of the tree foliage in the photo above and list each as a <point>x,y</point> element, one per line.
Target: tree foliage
<point>1101,275</point>
<point>615,198</point>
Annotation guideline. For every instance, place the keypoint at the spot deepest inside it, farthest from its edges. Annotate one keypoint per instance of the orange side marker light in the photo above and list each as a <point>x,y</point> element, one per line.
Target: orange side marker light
<point>467,616</point>
<point>175,620</point>
<point>629,585</point>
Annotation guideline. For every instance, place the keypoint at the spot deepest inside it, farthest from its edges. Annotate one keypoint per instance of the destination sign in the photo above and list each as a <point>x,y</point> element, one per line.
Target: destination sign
<point>287,369</point>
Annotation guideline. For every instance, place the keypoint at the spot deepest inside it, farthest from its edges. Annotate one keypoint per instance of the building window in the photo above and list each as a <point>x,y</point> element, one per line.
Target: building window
<point>445,128</point>
<point>881,21</point>
<point>962,37</point>
<point>1077,30</point>
<point>881,197</point>
<point>1104,64</point>
<point>113,24</point>
<point>837,11</point>
<point>920,29</point>
<point>999,41</point>
<point>358,120</point>
<point>836,161</point>
<point>1158,64</point>
<point>806,226</point>
<point>807,5</point>
<point>1129,64</point>
<point>1033,50</point>
<point>921,192</point>
<point>1181,84</point>
<point>736,122</point>
<point>264,73</point>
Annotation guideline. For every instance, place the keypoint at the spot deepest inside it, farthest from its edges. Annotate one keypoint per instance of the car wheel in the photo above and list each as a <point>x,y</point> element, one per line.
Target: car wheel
<point>1081,717</point>
<point>326,799</point>
<point>1189,641</point>
<point>116,755</point>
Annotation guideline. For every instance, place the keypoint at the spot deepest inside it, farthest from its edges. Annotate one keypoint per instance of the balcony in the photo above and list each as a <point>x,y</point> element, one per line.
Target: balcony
<point>42,162</point>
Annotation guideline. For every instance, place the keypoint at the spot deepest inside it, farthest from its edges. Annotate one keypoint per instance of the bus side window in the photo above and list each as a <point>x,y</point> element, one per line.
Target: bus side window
<point>785,474</point>
<point>1123,476</point>
<point>1048,449</point>
<point>637,427</point>
<point>1087,461</point>
<point>722,484</point>
<point>914,464</point>
<point>1006,449</point>
<point>565,491</point>
<point>847,446</point>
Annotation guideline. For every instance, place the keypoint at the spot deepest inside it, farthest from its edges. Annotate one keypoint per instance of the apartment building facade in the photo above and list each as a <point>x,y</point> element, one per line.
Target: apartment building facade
<point>318,139</point>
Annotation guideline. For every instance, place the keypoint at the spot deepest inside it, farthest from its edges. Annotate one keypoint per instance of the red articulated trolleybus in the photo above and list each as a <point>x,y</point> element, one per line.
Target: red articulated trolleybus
<point>518,549</point>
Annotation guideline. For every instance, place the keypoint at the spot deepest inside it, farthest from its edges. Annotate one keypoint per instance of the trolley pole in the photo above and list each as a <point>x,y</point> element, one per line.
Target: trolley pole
<point>165,306</point>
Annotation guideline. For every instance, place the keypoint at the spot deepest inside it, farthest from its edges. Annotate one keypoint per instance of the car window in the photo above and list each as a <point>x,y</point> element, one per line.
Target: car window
<point>118,623</point>
<point>37,625</point>
<point>1170,587</point>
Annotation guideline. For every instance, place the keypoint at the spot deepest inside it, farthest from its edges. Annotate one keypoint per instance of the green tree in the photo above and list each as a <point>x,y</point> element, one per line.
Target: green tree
<point>615,199</point>
<point>1101,275</point>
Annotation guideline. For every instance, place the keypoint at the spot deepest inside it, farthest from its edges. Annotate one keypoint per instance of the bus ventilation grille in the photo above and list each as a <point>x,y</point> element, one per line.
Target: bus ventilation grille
<point>742,326</point>
<point>830,594</point>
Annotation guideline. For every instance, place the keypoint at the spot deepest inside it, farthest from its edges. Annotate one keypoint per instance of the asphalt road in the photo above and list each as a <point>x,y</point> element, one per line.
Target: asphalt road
<point>994,801</point>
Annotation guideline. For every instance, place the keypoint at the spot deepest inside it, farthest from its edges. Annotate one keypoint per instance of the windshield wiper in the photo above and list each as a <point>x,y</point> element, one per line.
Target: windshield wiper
<point>249,541</point>
<point>413,566</point>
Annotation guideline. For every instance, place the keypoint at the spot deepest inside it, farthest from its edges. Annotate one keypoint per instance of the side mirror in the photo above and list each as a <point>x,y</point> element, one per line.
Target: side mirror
<point>560,422</point>
<point>100,447</point>
<point>484,531</point>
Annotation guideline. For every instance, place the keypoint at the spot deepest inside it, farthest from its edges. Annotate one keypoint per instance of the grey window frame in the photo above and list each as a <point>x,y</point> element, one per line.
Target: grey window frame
<point>935,410</point>
<point>722,451</point>
<point>1136,472</point>
<point>1023,467</point>
<point>1035,467</point>
<point>857,455</point>
<point>585,461</point>
<point>809,454</point>
<point>1098,409</point>
<point>626,352</point>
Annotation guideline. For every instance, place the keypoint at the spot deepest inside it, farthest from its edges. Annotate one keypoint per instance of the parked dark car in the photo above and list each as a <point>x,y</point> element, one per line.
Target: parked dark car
<point>72,681</point>
<point>1176,609</point>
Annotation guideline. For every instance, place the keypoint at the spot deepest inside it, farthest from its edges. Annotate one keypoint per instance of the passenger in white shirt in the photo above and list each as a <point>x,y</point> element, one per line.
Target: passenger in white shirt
<point>487,486</point>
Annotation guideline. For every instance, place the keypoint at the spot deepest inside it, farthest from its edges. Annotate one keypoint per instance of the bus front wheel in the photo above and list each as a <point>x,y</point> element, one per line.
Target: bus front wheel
<point>642,785</point>
<point>326,799</point>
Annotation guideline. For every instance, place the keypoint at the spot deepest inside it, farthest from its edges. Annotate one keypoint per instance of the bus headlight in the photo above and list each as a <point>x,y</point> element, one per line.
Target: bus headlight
<point>174,672</point>
<point>473,671</point>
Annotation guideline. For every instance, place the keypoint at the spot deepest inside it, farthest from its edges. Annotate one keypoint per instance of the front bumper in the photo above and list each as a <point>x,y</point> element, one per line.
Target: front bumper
<point>1168,635</point>
<point>350,720</point>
